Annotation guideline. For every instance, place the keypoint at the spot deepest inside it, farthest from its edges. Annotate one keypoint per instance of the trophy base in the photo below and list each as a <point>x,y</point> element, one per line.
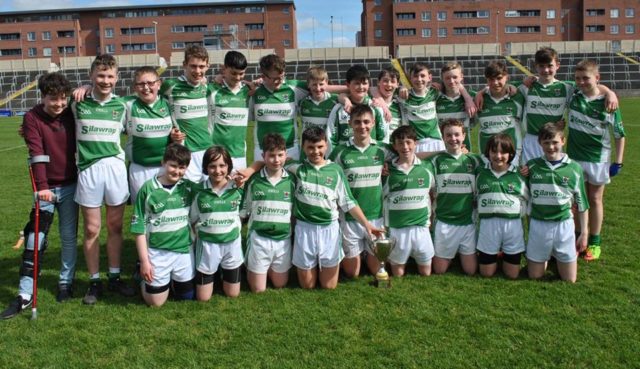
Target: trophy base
<point>385,283</point>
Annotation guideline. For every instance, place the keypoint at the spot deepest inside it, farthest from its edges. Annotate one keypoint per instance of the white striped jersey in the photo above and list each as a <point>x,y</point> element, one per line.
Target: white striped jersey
<point>501,115</point>
<point>455,187</point>
<point>230,116</point>
<point>217,214</point>
<point>406,194</point>
<point>501,195</point>
<point>148,128</point>
<point>544,103</point>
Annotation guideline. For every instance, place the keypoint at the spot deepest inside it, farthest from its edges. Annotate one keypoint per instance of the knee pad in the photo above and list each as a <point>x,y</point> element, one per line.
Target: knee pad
<point>26,267</point>
<point>231,275</point>
<point>484,258</point>
<point>154,290</point>
<point>45,221</point>
<point>512,258</point>
<point>202,279</point>
<point>183,290</point>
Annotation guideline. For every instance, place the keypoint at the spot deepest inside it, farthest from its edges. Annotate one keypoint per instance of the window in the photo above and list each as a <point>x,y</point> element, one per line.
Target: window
<point>46,35</point>
<point>66,50</point>
<point>614,29</point>
<point>285,10</point>
<point>108,32</point>
<point>426,32</point>
<point>31,36</point>
<point>110,49</point>
<point>405,16</point>
<point>377,2</point>
<point>595,28</point>
<point>256,42</point>
<point>286,27</point>
<point>522,13</point>
<point>255,9</point>
<point>483,14</point>
<point>426,16</point>
<point>551,14</point>
<point>406,31</point>
<point>65,34</point>
<point>32,51</point>
<point>471,14</point>
<point>196,28</point>
<point>9,36</point>
<point>177,29</point>
<point>595,12</point>
<point>483,30</point>
<point>149,30</point>
<point>629,12</point>
<point>286,43</point>
<point>470,30</point>
<point>139,47</point>
<point>442,32</point>
<point>614,13</point>
<point>377,17</point>
<point>177,45</point>
<point>630,28</point>
<point>551,30</point>
<point>217,27</point>
<point>254,26</point>
<point>442,16</point>
<point>5,52</point>
<point>46,51</point>
<point>522,29</point>
<point>378,33</point>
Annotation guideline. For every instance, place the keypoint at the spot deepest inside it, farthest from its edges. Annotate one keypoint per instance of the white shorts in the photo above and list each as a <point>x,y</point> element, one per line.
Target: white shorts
<point>430,145</point>
<point>552,238</point>
<point>355,237</point>
<point>293,153</point>
<point>595,173</point>
<point>210,256</point>
<point>138,175</point>
<point>449,239</point>
<point>531,149</point>
<point>170,265</point>
<point>264,253</point>
<point>316,244</point>
<point>194,170</point>
<point>497,234</point>
<point>414,241</point>
<point>239,163</point>
<point>105,180</point>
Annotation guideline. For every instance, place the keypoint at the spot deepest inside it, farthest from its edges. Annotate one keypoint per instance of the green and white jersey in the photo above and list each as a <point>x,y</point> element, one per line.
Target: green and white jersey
<point>216,215</point>
<point>163,215</point>
<point>544,103</point>
<point>230,117</point>
<point>189,110</point>
<point>420,113</point>
<point>276,111</point>
<point>319,192</point>
<point>396,119</point>
<point>316,113</point>
<point>406,194</point>
<point>341,132</point>
<point>589,129</point>
<point>554,188</point>
<point>501,115</point>
<point>99,125</point>
<point>453,108</point>
<point>362,167</point>
<point>455,187</point>
<point>501,195</point>
<point>269,205</point>
<point>148,129</point>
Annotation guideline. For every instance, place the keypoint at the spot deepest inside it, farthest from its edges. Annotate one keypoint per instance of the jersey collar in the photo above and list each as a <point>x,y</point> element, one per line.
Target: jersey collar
<point>229,186</point>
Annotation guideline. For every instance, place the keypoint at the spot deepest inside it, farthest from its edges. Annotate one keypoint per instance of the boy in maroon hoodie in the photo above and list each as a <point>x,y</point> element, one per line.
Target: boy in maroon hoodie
<point>49,132</point>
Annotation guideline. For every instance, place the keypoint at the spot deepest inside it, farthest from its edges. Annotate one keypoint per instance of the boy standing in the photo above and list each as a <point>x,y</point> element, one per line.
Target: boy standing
<point>188,97</point>
<point>230,109</point>
<point>49,133</point>
<point>455,184</point>
<point>102,177</point>
<point>361,159</point>
<point>315,108</point>
<point>555,183</point>
<point>407,204</point>
<point>590,145</point>
<point>268,202</point>
<point>163,234</point>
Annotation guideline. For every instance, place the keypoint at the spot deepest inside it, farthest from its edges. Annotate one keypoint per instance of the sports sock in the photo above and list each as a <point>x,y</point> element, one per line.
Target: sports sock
<point>94,277</point>
<point>594,239</point>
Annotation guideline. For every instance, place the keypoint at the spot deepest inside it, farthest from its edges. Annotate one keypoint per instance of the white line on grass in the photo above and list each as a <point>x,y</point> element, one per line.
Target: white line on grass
<point>13,148</point>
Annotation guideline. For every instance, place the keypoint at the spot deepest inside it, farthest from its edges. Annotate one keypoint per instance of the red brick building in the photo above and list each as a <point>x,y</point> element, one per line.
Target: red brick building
<point>127,30</point>
<point>411,22</point>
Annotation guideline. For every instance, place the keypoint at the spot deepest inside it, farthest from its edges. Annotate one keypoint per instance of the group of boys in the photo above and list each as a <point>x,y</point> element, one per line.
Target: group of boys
<point>330,225</point>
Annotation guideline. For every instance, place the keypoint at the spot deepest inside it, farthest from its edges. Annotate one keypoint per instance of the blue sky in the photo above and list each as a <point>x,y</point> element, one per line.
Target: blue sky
<point>313,16</point>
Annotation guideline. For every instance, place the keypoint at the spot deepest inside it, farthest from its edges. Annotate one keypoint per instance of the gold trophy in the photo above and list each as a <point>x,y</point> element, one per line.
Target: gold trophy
<point>381,248</point>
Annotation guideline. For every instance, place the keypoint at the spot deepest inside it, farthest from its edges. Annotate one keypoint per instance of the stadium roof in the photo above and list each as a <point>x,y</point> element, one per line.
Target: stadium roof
<point>154,6</point>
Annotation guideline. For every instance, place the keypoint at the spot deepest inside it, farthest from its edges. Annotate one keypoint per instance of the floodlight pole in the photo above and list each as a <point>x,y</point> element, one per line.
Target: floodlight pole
<point>332,31</point>
<point>155,35</point>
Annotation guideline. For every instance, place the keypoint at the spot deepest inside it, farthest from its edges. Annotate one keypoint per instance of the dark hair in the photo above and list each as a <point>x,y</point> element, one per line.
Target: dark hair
<point>545,55</point>
<point>104,61</point>
<point>272,62</point>
<point>144,70</point>
<point>178,153</point>
<point>496,69</point>
<point>403,132</point>
<point>214,153</point>
<point>195,51</point>
<point>54,84</point>
<point>451,122</point>
<point>358,73</point>
<point>501,142</point>
<point>273,141</point>
<point>390,72</point>
<point>235,59</point>
<point>418,67</point>
<point>550,130</point>
<point>587,65</point>
<point>313,135</point>
<point>358,110</point>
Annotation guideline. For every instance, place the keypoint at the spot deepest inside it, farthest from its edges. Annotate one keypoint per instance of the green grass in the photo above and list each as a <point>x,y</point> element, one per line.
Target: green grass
<point>449,321</point>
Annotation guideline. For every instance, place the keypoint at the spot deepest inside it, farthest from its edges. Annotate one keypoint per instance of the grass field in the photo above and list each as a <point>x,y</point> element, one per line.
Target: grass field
<point>449,321</point>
